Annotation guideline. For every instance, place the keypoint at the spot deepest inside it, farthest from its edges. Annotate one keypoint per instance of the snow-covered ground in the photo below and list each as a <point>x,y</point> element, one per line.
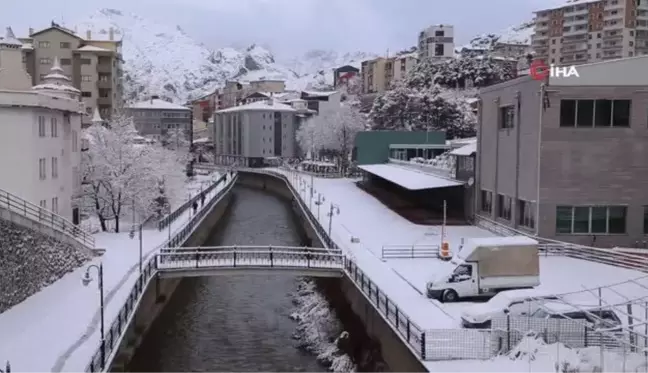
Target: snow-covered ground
<point>57,329</point>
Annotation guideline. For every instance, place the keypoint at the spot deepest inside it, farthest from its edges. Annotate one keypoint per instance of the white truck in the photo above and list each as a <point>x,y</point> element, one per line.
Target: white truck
<point>486,266</point>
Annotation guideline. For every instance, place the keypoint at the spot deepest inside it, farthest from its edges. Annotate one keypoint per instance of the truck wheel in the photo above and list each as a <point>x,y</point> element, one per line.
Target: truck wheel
<point>450,296</point>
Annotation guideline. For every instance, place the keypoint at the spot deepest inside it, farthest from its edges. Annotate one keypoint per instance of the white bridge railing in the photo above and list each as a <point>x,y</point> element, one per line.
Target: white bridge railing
<point>409,251</point>
<point>248,257</point>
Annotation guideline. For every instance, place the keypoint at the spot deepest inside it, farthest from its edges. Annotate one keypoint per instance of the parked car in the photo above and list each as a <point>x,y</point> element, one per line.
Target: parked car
<point>515,302</point>
<point>599,318</point>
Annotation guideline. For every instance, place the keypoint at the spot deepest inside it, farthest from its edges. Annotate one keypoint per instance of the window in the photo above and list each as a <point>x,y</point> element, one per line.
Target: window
<point>486,201</point>
<point>503,207</point>
<point>43,44</point>
<point>55,205</point>
<point>41,126</point>
<point>85,61</point>
<point>507,116</point>
<point>439,33</point>
<point>439,50</point>
<point>526,214</point>
<point>86,94</point>
<point>86,78</point>
<point>75,141</point>
<point>591,219</point>
<point>54,168</point>
<point>65,45</point>
<point>42,169</point>
<point>45,61</point>
<point>53,127</point>
<point>66,61</point>
<point>595,113</point>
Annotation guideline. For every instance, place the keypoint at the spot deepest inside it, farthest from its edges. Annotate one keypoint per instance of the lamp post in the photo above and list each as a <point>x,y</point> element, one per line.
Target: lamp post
<point>335,209</point>
<point>319,202</point>
<point>86,280</point>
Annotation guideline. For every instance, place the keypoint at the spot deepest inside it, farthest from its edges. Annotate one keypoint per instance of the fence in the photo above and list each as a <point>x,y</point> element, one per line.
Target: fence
<point>411,251</point>
<point>45,218</point>
<point>165,221</point>
<point>126,313</point>
<point>553,247</point>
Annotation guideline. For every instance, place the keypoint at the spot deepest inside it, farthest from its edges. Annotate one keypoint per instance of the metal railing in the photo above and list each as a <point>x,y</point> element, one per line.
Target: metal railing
<point>246,257</point>
<point>45,218</point>
<point>554,247</point>
<point>410,251</point>
<point>165,221</point>
<point>127,311</point>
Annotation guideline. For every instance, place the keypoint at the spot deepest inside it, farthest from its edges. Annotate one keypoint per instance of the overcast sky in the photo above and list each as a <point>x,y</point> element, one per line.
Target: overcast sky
<point>290,27</point>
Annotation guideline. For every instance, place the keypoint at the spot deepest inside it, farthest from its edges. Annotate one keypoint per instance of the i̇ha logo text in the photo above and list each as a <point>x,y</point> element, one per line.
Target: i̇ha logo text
<point>540,71</point>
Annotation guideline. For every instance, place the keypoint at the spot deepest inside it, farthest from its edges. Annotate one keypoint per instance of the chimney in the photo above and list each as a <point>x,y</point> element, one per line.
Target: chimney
<point>111,34</point>
<point>31,31</point>
<point>88,35</point>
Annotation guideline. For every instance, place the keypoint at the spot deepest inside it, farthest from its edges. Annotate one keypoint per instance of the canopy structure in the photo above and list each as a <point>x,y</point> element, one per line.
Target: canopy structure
<point>408,178</point>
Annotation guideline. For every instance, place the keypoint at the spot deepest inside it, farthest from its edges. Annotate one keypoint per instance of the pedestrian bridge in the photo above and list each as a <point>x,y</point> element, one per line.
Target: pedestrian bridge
<point>231,260</point>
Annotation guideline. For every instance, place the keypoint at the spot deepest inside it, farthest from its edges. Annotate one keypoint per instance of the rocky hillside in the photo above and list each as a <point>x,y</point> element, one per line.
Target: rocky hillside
<point>30,260</point>
<point>165,61</point>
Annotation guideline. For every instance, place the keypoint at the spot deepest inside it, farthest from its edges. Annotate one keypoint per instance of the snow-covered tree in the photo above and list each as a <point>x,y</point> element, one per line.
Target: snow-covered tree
<point>425,109</point>
<point>332,131</point>
<point>478,71</point>
<point>121,175</point>
<point>351,89</point>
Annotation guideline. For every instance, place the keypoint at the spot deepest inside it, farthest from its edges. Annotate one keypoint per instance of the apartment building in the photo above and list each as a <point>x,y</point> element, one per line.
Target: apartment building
<point>585,31</point>
<point>343,74</point>
<point>567,159</point>
<point>436,42</point>
<point>234,92</point>
<point>156,118</point>
<point>255,131</point>
<point>92,62</point>
<point>321,102</point>
<point>40,144</point>
<point>379,74</point>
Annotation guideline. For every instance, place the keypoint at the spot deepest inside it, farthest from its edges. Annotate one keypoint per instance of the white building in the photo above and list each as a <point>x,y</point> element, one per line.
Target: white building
<point>322,101</point>
<point>436,42</point>
<point>40,140</point>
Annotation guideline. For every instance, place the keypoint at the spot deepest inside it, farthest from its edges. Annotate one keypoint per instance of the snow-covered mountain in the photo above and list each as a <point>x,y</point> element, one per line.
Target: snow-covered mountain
<point>520,34</point>
<point>165,61</point>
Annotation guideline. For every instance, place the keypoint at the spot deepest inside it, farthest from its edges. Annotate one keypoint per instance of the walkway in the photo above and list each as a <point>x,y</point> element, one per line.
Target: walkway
<point>56,329</point>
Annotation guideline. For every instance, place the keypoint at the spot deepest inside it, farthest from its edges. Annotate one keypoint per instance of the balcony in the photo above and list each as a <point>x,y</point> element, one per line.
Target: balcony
<point>576,32</point>
<point>573,48</point>
<point>104,101</point>
<point>612,46</point>
<point>104,84</point>
<point>610,36</point>
<point>105,68</point>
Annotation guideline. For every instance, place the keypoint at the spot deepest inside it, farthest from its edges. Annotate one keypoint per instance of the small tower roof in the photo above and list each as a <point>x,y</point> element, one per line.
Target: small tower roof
<point>56,66</point>
<point>10,38</point>
<point>96,118</point>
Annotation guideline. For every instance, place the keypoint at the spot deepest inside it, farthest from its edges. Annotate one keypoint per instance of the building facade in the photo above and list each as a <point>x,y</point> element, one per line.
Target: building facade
<point>379,74</point>
<point>41,125</point>
<point>344,74</point>
<point>436,42</point>
<point>92,62</point>
<point>255,131</point>
<point>568,160</point>
<point>321,102</point>
<point>234,92</point>
<point>158,119</point>
<point>589,31</point>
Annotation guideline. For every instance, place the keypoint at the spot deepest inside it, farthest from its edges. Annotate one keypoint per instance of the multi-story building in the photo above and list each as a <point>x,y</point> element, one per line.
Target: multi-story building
<point>567,158</point>
<point>436,42</point>
<point>320,102</point>
<point>155,118</point>
<point>41,125</point>
<point>379,74</point>
<point>584,31</point>
<point>92,62</point>
<point>234,92</point>
<point>344,74</point>
<point>255,131</point>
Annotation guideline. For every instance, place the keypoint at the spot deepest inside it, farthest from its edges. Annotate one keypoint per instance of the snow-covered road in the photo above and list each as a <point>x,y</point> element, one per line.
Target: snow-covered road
<point>56,329</point>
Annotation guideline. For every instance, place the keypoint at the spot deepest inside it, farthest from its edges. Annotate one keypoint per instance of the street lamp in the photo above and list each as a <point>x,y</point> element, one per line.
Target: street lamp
<point>335,209</point>
<point>319,202</point>
<point>86,280</point>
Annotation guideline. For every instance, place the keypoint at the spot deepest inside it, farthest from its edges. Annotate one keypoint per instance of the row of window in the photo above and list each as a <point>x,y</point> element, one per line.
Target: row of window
<point>47,44</point>
<point>54,209</point>
<point>595,113</point>
<point>525,209</point>
<point>42,168</point>
<point>42,130</point>
<point>170,126</point>
<point>591,219</point>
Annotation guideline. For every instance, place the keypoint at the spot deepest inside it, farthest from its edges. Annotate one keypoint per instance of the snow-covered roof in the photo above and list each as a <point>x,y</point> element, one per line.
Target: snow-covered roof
<point>466,150</point>
<point>201,140</point>
<point>320,94</point>
<point>10,39</point>
<point>408,178</point>
<point>157,104</point>
<point>27,46</point>
<point>96,117</point>
<point>270,105</point>
<point>56,87</point>
<point>92,48</point>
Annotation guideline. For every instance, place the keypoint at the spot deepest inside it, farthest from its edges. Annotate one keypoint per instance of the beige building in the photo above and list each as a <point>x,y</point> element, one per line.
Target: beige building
<point>380,73</point>
<point>584,31</point>
<point>567,159</point>
<point>92,62</point>
<point>437,42</point>
<point>235,92</point>
<point>40,149</point>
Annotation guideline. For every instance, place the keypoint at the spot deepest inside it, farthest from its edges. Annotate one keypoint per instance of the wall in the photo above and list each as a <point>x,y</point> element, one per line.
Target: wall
<point>393,350</point>
<point>159,291</point>
<point>372,147</point>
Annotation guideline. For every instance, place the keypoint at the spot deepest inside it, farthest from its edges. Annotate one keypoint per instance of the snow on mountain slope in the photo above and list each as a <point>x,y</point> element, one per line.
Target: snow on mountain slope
<point>520,34</point>
<point>164,61</point>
